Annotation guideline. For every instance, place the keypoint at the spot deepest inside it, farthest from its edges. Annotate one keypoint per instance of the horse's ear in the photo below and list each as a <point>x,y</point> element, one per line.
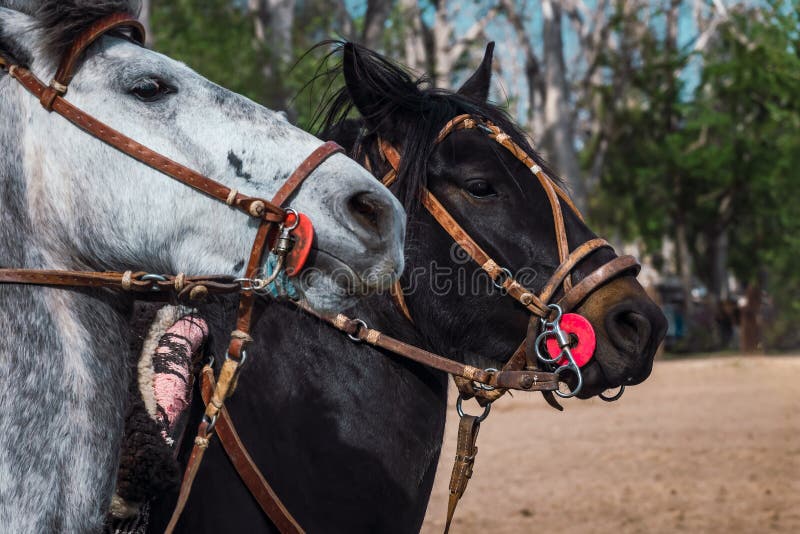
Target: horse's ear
<point>362,93</point>
<point>377,87</point>
<point>477,86</point>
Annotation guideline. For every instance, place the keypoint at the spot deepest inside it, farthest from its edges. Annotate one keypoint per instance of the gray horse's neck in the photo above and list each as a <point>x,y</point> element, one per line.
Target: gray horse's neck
<point>62,372</point>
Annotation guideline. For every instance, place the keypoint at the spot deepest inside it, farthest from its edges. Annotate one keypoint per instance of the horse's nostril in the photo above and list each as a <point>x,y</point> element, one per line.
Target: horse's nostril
<point>367,209</point>
<point>629,331</point>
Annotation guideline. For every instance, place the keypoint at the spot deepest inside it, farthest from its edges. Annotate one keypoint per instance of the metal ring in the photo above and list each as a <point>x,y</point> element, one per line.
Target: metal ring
<point>241,361</point>
<point>149,277</point>
<point>559,312</point>
<point>615,397</point>
<point>210,423</point>
<point>506,277</point>
<point>575,369</point>
<point>153,277</point>
<point>537,345</point>
<point>481,417</point>
<point>296,219</point>
<point>363,325</point>
<point>485,387</point>
<point>241,282</point>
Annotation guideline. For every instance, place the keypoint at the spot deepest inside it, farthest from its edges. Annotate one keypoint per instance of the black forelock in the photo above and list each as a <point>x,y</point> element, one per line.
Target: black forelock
<point>62,21</point>
<point>410,114</point>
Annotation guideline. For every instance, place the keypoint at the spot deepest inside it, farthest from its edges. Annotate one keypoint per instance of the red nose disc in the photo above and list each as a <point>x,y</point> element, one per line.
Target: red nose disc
<point>580,327</point>
<point>303,238</point>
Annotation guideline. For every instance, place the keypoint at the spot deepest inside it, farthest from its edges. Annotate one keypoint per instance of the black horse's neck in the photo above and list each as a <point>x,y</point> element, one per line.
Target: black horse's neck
<point>347,435</point>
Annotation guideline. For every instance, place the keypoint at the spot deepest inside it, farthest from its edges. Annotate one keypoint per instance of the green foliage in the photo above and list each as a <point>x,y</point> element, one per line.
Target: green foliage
<point>724,160</point>
<point>214,37</point>
<point>217,38</point>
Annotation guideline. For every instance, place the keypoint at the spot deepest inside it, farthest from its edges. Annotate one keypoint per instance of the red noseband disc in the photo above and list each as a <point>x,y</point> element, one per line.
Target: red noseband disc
<point>303,238</point>
<point>580,327</point>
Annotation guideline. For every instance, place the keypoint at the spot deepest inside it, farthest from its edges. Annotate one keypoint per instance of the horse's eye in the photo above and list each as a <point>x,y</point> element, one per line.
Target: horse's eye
<point>480,189</point>
<point>150,89</point>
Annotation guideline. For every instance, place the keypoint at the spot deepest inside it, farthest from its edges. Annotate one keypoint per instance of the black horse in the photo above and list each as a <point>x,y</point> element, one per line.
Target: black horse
<point>349,436</point>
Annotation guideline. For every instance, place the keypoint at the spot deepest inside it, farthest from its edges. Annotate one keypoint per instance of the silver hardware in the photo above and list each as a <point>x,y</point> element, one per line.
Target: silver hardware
<point>210,423</point>
<point>553,329</point>
<point>485,387</point>
<point>296,219</point>
<point>241,361</point>
<point>507,273</point>
<point>153,278</point>
<point>481,417</point>
<point>363,325</point>
<point>614,397</point>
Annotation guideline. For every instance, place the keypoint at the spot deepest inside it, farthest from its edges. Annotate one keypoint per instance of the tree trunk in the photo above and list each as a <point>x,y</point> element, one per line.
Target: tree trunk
<point>559,135</point>
<point>378,12</point>
<point>684,267</point>
<point>273,22</point>
<point>415,51</point>
<point>749,328</point>
<point>144,18</point>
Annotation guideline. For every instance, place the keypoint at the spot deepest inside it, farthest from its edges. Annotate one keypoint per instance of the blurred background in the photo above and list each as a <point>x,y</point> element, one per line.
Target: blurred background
<point>675,122</point>
<point>677,126</point>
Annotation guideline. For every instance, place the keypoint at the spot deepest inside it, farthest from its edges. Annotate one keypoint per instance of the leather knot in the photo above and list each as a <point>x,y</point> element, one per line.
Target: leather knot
<point>127,279</point>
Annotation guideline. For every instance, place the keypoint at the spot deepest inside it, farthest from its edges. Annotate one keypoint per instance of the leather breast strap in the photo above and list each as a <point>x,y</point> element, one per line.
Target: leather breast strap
<point>252,477</point>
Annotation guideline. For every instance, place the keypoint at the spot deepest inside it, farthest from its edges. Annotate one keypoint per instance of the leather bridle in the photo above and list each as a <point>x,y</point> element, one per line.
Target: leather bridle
<point>541,305</point>
<point>275,224</point>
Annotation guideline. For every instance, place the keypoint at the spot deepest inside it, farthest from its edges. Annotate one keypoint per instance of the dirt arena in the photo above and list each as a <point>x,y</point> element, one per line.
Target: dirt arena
<point>705,445</point>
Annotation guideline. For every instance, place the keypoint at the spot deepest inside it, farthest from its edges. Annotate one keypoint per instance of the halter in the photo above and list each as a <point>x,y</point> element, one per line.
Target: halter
<point>275,225</point>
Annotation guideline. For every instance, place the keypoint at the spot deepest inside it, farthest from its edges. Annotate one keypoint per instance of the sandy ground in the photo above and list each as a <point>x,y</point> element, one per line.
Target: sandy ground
<point>710,445</point>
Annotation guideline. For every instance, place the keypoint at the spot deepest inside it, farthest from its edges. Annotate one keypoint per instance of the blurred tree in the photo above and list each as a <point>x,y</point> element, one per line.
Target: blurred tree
<point>719,168</point>
<point>250,46</point>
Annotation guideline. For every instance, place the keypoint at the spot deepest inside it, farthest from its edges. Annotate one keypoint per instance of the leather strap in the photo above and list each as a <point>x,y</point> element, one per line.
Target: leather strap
<point>305,169</point>
<point>597,278</point>
<point>466,450</point>
<point>252,477</point>
<point>525,380</point>
<point>254,207</point>
<point>137,282</point>
<point>201,442</point>
<point>66,69</point>
<point>241,336</point>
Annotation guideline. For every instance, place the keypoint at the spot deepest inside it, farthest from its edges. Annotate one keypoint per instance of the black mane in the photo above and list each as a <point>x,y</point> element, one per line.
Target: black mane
<point>410,114</point>
<point>62,21</point>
